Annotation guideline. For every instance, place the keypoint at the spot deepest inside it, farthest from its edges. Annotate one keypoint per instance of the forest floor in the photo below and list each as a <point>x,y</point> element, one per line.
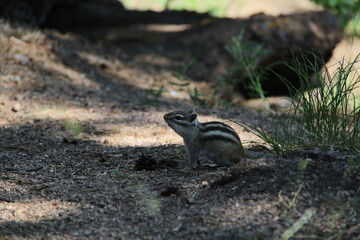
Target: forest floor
<point>85,154</point>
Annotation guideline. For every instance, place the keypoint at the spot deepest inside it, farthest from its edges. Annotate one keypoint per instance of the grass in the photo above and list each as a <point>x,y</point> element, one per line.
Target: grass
<point>214,7</point>
<point>327,117</point>
<point>73,127</point>
<point>345,10</point>
<point>151,95</point>
<point>245,54</point>
<point>353,27</point>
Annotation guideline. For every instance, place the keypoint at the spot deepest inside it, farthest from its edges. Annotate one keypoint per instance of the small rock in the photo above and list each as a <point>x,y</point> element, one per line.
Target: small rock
<point>16,107</point>
<point>21,58</point>
<point>205,183</point>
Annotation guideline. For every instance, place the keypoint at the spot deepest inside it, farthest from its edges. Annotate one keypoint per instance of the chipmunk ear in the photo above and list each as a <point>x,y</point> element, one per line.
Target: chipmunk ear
<point>193,117</point>
<point>192,111</point>
<point>193,114</point>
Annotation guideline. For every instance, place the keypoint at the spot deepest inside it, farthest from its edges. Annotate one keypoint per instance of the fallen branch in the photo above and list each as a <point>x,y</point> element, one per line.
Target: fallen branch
<point>5,199</point>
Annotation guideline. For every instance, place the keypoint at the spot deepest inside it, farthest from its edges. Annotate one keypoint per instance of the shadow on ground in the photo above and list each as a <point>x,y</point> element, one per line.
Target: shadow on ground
<point>56,185</point>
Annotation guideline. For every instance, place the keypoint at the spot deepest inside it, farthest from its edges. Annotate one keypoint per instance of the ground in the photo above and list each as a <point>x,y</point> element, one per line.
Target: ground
<point>85,154</point>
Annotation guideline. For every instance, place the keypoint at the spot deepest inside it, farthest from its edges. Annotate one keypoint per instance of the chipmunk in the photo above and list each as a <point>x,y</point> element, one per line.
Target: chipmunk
<point>215,140</point>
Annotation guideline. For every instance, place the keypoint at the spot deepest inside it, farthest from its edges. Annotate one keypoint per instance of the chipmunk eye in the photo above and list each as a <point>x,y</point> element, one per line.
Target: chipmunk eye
<point>178,117</point>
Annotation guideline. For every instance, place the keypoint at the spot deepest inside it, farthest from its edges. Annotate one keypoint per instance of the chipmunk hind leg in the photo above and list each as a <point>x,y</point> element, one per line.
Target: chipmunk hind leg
<point>227,159</point>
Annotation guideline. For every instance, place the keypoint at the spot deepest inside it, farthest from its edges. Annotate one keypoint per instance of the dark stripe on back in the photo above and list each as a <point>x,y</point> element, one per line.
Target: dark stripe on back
<point>217,123</point>
<point>222,129</point>
<point>218,138</point>
<point>214,122</point>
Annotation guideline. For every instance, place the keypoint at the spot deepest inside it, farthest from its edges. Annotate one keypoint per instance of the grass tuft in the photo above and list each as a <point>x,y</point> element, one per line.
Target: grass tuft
<point>246,55</point>
<point>327,117</point>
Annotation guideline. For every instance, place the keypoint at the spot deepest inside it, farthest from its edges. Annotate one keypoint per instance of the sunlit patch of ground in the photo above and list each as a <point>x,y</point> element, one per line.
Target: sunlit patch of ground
<point>156,134</point>
<point>63,112</point>
<point>347,50</point>
<point>229,8</point>
<point>34,210</point>
<point>118,128</point>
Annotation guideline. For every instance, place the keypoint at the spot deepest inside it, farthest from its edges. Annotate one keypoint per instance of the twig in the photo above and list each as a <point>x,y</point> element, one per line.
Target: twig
<point>298,224</point>
<point>19,148</point>
<point>76,171</point>
<point>12,170</point>
<point>34,169</point>
<point>5,199</point>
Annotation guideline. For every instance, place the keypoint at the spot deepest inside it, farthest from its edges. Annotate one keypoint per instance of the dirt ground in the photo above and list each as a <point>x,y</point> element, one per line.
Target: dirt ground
<point>85,154</point>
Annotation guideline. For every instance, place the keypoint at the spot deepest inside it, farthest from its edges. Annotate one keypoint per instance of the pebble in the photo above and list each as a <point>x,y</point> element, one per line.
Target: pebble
<point>21,58</point>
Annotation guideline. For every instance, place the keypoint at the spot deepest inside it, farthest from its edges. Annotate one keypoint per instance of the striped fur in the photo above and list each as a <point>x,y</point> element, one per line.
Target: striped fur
<point>218,131</point>
<point>215,140</point>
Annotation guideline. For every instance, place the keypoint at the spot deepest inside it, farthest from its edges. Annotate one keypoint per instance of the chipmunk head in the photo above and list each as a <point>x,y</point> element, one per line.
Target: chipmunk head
<point>182,121</point>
